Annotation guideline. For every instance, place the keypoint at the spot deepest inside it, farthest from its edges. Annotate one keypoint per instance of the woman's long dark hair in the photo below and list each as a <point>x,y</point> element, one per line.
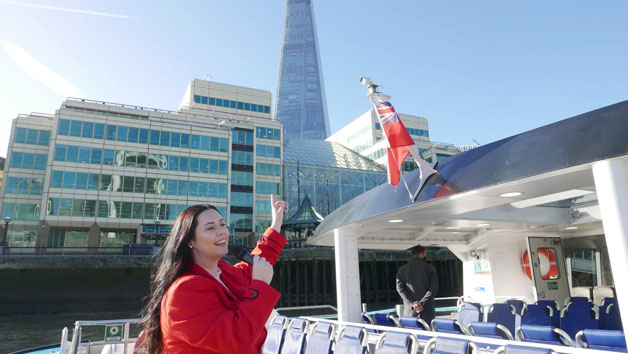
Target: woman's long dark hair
<point>176,255</point>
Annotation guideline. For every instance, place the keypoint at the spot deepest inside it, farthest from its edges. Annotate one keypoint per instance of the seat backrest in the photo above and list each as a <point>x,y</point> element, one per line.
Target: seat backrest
<point>581,291</point>
<point>383,319</point>
<point>489,329</point>
<point>577,316</point>
<point>351,340</point>
<point>602,339</point>
<point>612,317</point>
<point>321,338</point>
<point>518,304</point>
<point>294,339</point>
<point>469,312</point>
<point>368,319</point>
<point>543,334</point>
<point>447,325</point>
<point>448,346</point>
<point>504,314</point>
<point>409,322</point>
<point>554,306</point>
<point>395,343</point>
<point>600,292</point>
<point>538,314</point>
<point>274,338</point>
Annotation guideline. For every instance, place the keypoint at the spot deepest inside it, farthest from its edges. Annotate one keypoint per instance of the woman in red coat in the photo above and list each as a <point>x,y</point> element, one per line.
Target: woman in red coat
<point>201,304</point>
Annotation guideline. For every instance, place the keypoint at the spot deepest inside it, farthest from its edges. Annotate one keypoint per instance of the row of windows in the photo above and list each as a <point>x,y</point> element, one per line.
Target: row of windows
<point>242,137</point>
<point>141,135</point>
<point>20,211</point>
<point>267,169</point>
<point>28,160</point>
<point>115,209</point>
<point>266,188</point>
<point>268,151</point>
<point>133,184</point>
<point>241,221</point>
<point>32,136</point>
<point>262,207</point>
<point>241,199</point>
<point>242,158</point>
<point>69,153</point>
<point>242,178</point>
<point>24,185</point>
<point>268,133</point>
<point>412,131</point>
<point>221,102</point>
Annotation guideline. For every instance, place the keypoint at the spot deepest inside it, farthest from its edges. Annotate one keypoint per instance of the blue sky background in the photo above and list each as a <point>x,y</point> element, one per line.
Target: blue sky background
<point>480,70</point>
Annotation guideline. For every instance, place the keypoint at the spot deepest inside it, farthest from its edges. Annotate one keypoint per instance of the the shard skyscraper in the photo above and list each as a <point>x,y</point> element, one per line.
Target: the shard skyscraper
<point>301,106</point>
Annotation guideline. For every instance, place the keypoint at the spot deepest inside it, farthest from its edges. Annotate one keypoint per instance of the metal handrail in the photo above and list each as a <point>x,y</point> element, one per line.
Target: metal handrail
<point>124,250</point>
<point>78,329</point>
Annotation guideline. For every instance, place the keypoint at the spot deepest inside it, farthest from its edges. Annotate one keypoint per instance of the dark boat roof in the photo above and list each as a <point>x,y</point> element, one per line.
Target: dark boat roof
<point>593,136</point>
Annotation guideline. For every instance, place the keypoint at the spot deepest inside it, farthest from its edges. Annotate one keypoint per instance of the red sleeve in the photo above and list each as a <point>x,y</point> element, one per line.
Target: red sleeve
<point>194,313</point>
<point>269,247</point>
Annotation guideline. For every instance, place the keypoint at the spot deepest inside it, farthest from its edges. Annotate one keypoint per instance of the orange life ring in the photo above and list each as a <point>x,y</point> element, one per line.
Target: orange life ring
<point>547,263</point>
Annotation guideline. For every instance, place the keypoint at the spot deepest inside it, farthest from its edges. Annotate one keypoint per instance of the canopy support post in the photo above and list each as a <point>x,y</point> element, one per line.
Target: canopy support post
<point>612,191</point>
<point>347,276</point>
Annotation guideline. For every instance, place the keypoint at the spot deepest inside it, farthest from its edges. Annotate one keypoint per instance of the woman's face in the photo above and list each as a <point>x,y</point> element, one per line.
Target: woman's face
<point>211,236</point>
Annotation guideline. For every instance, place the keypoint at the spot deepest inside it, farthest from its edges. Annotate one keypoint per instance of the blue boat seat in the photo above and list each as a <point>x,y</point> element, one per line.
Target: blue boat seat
<point>446,325</point>
<point>470,312</point>
<point>294,339</point>
<point>490,330</point>
<point>396,343</point>
<point>543,334</point>
<point>413,322</point>
<point>538,314</point>
<point>321,338</point>
<point>520,349</point>
<point>275,335</point>
<point>554,306</point>
<point>441,345</point>
<point>602,339</point>
<point>384,319</point>
<point>351,340</point>
<point>578,315</point>
<point>610,317</point>
<point>518,304</point>
<point>504,314</point>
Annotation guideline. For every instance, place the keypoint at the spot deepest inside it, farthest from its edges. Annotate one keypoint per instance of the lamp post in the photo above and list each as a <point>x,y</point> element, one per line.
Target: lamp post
<point>157,222</point>
<point>7,220</point>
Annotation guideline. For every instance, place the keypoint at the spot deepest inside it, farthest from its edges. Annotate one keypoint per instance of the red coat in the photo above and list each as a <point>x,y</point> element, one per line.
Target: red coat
<point>198,315</point>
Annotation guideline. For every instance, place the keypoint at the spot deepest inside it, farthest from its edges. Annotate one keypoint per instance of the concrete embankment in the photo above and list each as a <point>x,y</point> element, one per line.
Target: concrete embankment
<point>54,284</point>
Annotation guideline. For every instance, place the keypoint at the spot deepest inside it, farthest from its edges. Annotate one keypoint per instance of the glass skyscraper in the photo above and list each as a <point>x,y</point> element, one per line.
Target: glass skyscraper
<point>301,106</point>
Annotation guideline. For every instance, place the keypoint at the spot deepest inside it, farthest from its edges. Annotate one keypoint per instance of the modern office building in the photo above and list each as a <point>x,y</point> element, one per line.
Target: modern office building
<point>301,106</point>
<point>98,174</point>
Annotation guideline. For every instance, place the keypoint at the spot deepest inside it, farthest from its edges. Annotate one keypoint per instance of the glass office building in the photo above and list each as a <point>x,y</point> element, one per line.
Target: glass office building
<point>329,173</point>
<point>98,174</point>
<point>301,106</point>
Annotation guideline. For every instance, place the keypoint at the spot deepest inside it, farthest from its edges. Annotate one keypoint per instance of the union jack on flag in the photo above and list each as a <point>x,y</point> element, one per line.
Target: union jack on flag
<point>386,112</point>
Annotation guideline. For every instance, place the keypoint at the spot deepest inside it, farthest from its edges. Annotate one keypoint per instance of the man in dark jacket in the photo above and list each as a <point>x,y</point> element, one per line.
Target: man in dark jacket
<point>417,284</point>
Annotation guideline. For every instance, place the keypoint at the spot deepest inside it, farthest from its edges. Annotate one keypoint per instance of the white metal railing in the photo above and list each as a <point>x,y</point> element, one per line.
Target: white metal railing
<point>78,329</point>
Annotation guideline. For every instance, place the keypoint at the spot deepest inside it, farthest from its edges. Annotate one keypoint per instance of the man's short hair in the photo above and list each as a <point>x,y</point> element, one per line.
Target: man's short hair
<point>417,250</point>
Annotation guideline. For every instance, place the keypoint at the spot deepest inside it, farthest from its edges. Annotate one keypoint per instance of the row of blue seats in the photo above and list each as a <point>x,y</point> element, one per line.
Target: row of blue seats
<point>578,314</point>
<point>297,338</point>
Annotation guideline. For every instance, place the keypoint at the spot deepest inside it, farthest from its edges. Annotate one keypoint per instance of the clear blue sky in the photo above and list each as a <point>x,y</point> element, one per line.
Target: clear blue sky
<point>480,70</point>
